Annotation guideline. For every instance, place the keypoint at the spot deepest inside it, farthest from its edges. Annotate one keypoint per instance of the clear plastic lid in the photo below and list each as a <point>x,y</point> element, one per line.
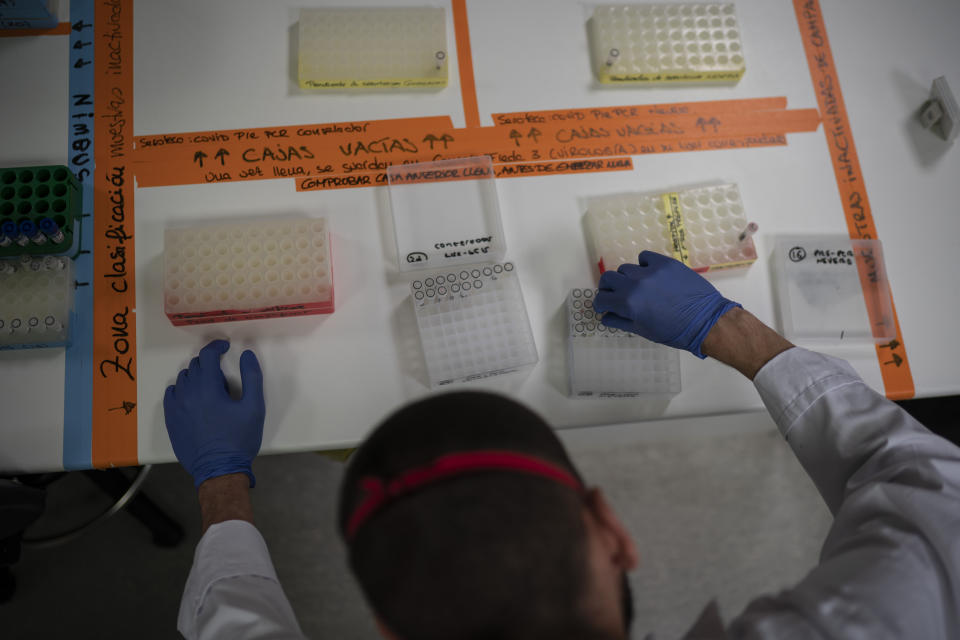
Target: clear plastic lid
<point>446,213</point>
<point>832,289</point>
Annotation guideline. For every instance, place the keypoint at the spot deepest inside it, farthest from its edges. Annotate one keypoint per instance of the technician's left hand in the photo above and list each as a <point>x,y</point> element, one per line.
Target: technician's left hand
<point>212,434</point>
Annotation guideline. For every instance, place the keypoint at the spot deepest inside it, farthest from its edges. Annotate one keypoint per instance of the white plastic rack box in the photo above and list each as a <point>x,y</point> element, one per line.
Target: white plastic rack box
<point>36,301</point>
<point>666,43</point>
<point>247,270</point>
<point>393,48</point>
<point>473,323</point>
<point>607,362</point>
<point>705,228</point>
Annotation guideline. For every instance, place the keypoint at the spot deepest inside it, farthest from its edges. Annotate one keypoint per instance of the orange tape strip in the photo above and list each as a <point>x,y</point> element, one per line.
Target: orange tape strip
<point>234,155</point>
<point>62,29</point>
<point>894,367</point>
<point>710,107</point>
<point>114,437</point>
<point>331,133</point>
<point>589,165</point>
<point>468,88</point>
<point>501,170</point>
<point>656,129</point>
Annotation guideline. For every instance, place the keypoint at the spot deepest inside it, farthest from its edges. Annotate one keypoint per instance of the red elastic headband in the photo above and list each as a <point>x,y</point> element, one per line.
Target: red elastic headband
<point>380,493</point>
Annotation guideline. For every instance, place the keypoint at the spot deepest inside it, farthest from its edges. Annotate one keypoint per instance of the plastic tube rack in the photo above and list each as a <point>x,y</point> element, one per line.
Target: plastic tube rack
<point>665,43</point>
<point>36,302</point>
<point>702,227</point>
<point>473,323</point>
<point>607,362</point>
<point>247,270</point>
<point>39,211</point>
<point>379,48</point>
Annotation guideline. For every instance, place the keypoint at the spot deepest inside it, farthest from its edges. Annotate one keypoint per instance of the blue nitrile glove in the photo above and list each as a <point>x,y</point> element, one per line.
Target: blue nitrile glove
<point>212,434</point>
<point>662,300</point>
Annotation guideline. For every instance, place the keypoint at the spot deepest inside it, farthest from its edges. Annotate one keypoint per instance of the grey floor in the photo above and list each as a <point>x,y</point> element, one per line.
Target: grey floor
<point>718,511</point>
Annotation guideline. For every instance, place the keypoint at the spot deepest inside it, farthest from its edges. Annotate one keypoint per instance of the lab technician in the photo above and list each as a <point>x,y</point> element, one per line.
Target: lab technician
<point>465,519</point>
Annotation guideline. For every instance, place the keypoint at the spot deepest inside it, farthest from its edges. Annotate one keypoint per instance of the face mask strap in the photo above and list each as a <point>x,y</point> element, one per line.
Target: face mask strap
<point>380,492</point>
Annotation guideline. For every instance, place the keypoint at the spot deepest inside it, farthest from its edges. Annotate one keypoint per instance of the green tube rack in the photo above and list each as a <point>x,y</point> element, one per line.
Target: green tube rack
<point>34,194</point>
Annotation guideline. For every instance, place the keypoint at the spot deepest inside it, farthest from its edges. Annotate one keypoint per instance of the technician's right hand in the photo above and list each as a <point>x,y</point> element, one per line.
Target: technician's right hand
<point>212,434</point>
<point>662,300</point>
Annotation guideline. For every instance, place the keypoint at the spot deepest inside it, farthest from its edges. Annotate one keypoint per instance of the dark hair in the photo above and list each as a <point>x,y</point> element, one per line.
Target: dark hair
<point>492,555</point>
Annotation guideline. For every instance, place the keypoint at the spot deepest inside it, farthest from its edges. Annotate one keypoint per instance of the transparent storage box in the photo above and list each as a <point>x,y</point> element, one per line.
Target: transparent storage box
<point>608,363</point>
<point>832,289</point>
<point>473,323</point>
<point>446,213</point>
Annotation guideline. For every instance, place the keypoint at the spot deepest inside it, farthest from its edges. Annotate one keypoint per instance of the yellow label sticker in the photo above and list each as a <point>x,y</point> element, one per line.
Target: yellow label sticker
<point>678,234</point>
<point>731,265</point>
<point>681,76</point>
<point>386,83</point>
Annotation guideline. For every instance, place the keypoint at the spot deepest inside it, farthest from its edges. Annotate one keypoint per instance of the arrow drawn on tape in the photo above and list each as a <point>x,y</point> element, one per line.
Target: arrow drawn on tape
<point>221,154</point>
<point>897,360</point>
<point>712,122</point>
<point>127,407</point>
<point>198,157</point>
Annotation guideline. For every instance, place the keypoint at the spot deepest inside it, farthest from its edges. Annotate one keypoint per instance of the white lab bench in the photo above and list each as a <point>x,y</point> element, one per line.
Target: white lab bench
<point>227,64</point>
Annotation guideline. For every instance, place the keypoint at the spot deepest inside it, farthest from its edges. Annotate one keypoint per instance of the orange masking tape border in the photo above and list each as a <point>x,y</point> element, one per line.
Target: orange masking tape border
<point>558,167</point>
<point>153,146</point>
<point>640,130</point>
<point>894,367</point>
<point>468,87</point>
<point>711,107</point>
<point>114,435</point>
<point>500,170</point>
<point>225,158</point>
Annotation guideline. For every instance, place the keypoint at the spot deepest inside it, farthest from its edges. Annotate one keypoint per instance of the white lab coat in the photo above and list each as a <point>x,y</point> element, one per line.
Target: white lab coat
<point>890,566</point>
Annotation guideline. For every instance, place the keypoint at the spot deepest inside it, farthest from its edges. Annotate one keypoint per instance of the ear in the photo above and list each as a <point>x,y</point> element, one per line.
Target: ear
<point>623,550</point>
<point>384,629</point>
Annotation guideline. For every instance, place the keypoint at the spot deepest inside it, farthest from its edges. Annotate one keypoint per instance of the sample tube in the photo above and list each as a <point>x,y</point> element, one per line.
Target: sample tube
<point>52,230</point>
<point>748,231</point>
<point>31,231</point>
<point>612,58</point>
<point>52,324</point>
<point>53,264</point>
<point>10,230</point>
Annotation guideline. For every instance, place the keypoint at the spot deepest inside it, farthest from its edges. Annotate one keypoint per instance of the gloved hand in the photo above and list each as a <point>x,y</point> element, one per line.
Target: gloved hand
<point>212,434</point>
<point>662,300</point>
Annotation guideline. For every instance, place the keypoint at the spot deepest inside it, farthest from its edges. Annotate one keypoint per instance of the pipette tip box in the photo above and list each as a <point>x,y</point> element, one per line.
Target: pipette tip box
<point>357,48</point>
<point>473,323</point>
<point>36,301</point>
<point>666,43</point>
<point>704,227</point>
<point>249,270</point>
<point>832,290</point>
<point>609,363</point>
<point>40,209</point>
